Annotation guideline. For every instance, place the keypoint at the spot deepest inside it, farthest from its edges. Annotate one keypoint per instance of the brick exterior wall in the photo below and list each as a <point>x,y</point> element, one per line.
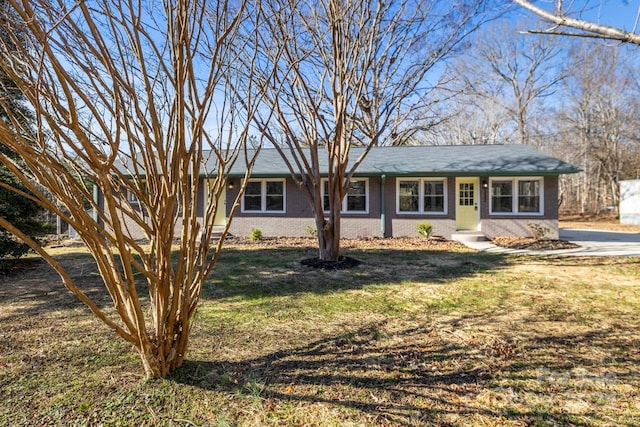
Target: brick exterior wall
<point>406,227</point>
<point>351,228</point>
<point>298,217</point>
<point>493,225</point>
<point>517,227</point>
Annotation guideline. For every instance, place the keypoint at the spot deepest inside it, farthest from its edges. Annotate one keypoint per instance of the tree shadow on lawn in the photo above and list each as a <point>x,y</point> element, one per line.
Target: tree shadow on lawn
<point>259,273</point>
<point>415,376</point>
<point>39,287</point>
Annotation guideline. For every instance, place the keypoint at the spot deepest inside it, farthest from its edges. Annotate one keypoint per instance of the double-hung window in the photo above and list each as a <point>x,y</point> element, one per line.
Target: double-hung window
<point>517,196</point>
<point>131,195</point>
<point>264,196</point>
<point>422,196</point>
<point>356,200</point>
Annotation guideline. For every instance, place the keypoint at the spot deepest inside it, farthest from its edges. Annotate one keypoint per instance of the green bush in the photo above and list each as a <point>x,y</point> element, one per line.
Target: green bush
<point>311,231</point>
<point>256,234</point>
<point>425,229</point>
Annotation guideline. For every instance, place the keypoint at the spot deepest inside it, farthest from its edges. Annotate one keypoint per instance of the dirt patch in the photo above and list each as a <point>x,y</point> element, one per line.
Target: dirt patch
<point>532,244</point>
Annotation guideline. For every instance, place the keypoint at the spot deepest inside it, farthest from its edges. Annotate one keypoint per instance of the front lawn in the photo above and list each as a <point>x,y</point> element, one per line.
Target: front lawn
<point>416,335</point>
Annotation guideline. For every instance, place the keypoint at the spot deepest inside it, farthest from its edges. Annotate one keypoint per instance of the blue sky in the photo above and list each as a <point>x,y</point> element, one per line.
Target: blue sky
<point>617,13</point>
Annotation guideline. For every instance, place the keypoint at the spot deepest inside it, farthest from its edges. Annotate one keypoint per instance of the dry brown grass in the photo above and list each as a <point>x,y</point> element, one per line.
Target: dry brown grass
<point>596,222</point>
<point>419,334</point>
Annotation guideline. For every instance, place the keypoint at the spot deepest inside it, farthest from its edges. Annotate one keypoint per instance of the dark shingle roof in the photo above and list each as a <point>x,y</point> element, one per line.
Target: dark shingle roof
<point>433,160</point>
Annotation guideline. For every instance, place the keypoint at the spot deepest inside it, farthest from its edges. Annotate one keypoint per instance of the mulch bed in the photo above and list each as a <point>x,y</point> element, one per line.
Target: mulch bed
<point>530,243</point>
<point>343,263</point>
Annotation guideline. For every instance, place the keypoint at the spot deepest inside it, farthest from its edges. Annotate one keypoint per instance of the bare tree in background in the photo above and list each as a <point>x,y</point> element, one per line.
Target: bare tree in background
<point>350,73</point>
<point>563,20</point>
<point>528,67</point>
<point>502,85</point>
<point>565,24</point>
<point>598,124</point>
<point>123,92</point>
<point>467,119</point>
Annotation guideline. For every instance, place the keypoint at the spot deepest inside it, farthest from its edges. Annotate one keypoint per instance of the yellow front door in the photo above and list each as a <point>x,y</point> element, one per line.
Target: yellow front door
<point>467,203</point>
<point>221,213</point>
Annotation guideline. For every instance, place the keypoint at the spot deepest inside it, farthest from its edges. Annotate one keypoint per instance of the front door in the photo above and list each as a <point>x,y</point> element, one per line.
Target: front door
<point>467,203</point>
<point>221,213</point>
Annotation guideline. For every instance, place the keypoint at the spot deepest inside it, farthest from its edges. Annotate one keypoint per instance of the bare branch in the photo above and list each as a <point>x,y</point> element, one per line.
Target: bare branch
<point>124,93</point>
<point>349,73</point>
<point>590,29</point>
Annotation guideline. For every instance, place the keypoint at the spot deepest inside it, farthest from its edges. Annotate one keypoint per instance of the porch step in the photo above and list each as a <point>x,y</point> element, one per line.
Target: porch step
<point>468,236</point>
<point>217,232</point>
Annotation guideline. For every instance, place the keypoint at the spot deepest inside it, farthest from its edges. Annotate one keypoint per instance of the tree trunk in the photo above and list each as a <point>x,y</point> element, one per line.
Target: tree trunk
<point>328,238</point>
<point>161,357</point>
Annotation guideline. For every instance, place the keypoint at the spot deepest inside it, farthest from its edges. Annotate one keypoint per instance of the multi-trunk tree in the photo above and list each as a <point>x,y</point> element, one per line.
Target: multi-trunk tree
<point>349,74</point>
<point>129,102</point>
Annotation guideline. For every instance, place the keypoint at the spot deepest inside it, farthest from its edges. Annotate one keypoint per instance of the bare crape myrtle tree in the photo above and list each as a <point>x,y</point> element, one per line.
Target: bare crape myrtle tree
<point>130,102</point>
<point>349,74</point>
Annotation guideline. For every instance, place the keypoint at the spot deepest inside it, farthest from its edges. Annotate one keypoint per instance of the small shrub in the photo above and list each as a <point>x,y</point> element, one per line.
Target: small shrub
<point>311,231</point>
<point>425,229</point>
<point>538,231</point>
<point>256,234</point>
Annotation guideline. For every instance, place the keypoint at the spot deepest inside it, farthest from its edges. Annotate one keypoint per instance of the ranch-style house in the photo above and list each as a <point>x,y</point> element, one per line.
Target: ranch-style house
<point>496,190</point>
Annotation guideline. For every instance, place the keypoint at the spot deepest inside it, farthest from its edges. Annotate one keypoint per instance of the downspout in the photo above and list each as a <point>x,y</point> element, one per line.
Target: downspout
<point>383,221</point>
<point>95,202</point>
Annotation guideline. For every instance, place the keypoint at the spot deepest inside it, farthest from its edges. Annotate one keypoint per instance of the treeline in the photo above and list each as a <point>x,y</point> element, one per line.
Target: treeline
<point>574,98</point>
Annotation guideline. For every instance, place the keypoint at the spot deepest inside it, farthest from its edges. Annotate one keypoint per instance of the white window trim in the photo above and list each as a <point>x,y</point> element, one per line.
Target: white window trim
<point>344,201</point>
<point>263,196</point>
<point>514,197</point>
<point>421,182</point>
<point>132,198</point>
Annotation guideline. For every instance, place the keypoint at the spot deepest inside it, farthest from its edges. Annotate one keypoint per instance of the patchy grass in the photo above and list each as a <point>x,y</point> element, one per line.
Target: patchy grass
<point>419,334</point>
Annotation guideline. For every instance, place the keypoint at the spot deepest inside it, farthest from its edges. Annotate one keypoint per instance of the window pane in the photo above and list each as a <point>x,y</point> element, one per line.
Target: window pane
<point>357,188</point>
<point>528,196</point>
<point>275,203</point>
<point>325,195</point>
<point>434,196</point>
<point>501,196</point>
<point>466,194</point>
<point>253,188</point>
<point>275,187</point>
<point>252,203</point>
<point>356,197</point>
<point>408,197</point>
<point>253,197</point>
<point>274,198</point>
<point>356,203</point>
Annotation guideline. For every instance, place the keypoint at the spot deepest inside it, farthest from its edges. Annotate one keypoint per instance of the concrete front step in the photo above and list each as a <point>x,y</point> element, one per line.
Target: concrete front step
<point>468,236</point>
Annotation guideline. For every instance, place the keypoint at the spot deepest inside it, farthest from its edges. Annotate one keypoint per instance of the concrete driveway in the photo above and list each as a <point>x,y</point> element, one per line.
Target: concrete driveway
<point>602,243</point>
<point>591,242</point>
